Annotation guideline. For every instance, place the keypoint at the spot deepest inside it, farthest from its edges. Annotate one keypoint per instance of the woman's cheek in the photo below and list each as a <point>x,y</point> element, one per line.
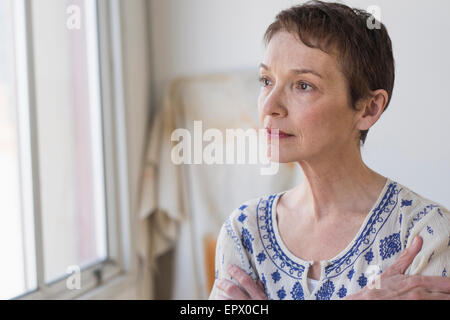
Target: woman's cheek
<point>308,118</point>
<point>314,126</point>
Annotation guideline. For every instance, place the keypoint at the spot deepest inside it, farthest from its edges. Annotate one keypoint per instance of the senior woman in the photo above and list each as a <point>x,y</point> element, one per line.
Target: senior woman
<point>346,231</point>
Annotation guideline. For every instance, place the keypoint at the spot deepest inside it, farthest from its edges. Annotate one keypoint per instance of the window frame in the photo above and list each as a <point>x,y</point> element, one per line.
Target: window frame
<point>106,278</point>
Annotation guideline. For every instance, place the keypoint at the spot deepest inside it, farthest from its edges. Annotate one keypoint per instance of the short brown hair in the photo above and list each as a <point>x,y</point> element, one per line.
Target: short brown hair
<point>364,54</point>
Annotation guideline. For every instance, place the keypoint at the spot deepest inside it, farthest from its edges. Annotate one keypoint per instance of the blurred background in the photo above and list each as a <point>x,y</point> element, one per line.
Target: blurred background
<point>91,205</point>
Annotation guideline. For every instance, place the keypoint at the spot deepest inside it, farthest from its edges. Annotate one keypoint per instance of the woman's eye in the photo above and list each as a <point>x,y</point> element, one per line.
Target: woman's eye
<point>304,86</point>
<point>264,81</point>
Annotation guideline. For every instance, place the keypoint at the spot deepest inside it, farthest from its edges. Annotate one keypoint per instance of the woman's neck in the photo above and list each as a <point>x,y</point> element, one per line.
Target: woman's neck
<point>337,185</point>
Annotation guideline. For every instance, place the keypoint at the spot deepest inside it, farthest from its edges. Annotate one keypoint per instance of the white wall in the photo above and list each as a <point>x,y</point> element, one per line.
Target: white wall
<point>409,144</point>
<point>204,36</point>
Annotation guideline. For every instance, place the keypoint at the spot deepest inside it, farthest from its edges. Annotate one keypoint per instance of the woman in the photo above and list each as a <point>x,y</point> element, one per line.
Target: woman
<point>326,79</point>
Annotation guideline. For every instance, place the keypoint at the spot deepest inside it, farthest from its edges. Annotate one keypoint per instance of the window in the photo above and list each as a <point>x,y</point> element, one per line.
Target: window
<point>68,114</point>
<point>59,211</point>
<point>17,273</point>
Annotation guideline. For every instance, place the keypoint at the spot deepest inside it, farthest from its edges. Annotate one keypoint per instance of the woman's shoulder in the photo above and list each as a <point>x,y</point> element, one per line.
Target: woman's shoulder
<point>420,215</point>
<point>240,228</point>
<point>412,203</point>
<point>246,214</point>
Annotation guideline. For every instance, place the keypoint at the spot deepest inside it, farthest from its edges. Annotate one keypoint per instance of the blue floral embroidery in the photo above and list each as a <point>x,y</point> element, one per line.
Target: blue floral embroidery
<point>369,256</point>
<point>363,247</point>
<point>276,276</point>
<point>242,217</point>
<point>376,221</point>
<point>440,212</point>
<point>261,257</point>
<point>362,280</point>
<point>281,293</point>
<point>326,291</point>
<point>270,244</point>
<point>390,245</point>
<point>263,279</point>
<point>418,216</point>
<point>406,203</point>
<point>350,274</point>
<point>400,218</point>
<point>430,231</point>
<point>342,292</point>
<point>444,272</point>
<point>247,240</point>
<point>297,292</point>
<point>237,242</point>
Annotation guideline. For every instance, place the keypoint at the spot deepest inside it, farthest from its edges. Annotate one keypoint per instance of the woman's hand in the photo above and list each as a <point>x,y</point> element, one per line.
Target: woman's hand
<point>392,284</point>
<point>254,290</point>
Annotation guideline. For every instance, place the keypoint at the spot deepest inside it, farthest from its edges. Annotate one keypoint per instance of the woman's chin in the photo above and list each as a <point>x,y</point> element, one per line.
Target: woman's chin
<point>280,154</point>
<point>281,157</point>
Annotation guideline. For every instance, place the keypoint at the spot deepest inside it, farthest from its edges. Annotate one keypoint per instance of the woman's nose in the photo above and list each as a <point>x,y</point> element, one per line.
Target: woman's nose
<point>273,105</point>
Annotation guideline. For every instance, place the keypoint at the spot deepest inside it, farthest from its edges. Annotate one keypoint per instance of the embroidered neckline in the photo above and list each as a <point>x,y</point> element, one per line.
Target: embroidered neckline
<point>294,266</point>
<point>270,243</point>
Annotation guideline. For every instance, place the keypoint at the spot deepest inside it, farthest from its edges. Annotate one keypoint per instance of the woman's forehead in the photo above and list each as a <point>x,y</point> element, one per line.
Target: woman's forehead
<point>286,52</point>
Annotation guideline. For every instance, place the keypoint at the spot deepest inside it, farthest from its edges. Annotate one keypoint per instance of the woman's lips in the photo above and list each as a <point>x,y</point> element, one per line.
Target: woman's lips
<point>277,133</point>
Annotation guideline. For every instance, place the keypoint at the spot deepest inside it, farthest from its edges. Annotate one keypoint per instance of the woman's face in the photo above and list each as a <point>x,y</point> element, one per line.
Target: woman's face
<point>304,94</point>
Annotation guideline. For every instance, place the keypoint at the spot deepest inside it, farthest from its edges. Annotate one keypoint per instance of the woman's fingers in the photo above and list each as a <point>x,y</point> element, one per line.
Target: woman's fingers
<point>406,258</point>
<point>435,284</point>
<point>253,289</point>
<point>231,289</point>
<point>396,285</point>
<point>440,284</point>
<point>423,294</point>
<point>437,296</point>
<point>222,297</point>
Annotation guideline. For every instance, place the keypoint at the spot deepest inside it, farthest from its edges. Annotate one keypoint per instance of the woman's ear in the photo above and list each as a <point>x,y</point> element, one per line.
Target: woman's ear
<point>371,109</point>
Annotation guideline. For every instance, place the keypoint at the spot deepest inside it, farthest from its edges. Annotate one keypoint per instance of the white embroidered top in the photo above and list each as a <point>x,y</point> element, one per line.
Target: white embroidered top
<point>249,238</point>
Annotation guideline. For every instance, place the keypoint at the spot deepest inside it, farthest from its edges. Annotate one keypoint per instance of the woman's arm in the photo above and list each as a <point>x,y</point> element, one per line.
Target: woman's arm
<point>229,251</point>
<point>251,289</point>
<point>434,228</point>
<point>391,284</point>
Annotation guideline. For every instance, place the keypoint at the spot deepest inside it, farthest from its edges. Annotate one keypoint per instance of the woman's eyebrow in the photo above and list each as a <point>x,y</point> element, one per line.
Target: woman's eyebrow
<point>296,71</point>
<point>300,71</point>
